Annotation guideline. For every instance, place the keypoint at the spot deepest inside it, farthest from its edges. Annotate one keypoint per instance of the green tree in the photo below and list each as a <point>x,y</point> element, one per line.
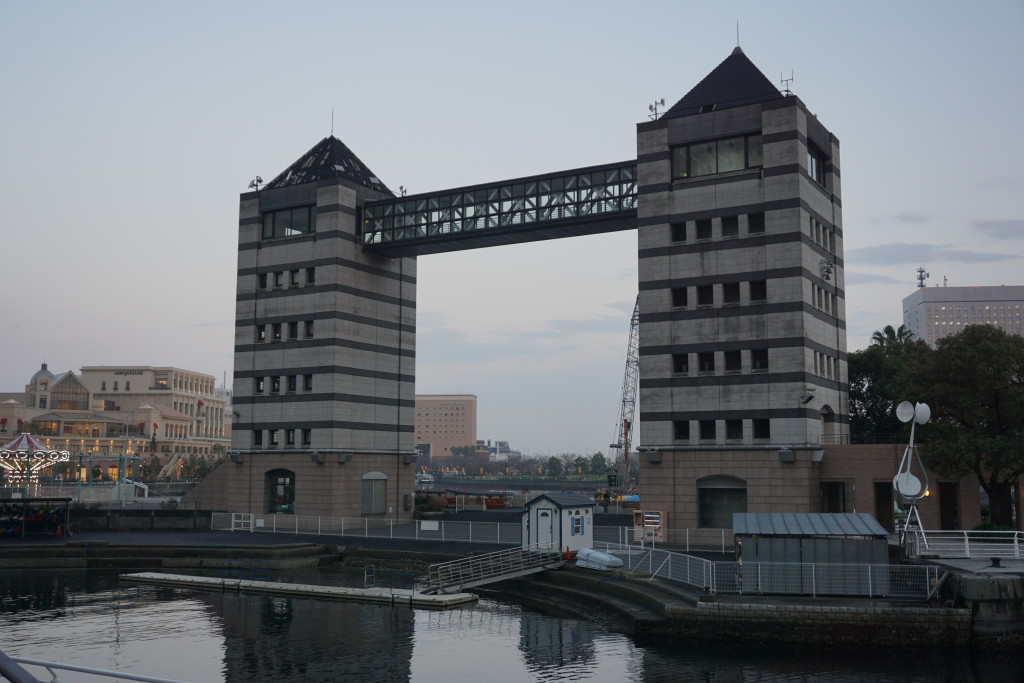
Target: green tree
<point>581,465</point>
<point>554,467</point>
<point>974,384</point>
<point>878,383</point>
<point>598,465</point>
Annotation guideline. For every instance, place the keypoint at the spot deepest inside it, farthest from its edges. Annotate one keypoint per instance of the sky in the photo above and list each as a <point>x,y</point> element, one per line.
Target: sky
<point>128,130</point>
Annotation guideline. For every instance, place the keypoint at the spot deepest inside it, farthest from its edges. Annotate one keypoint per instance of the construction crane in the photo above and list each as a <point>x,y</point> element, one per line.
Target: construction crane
<point>627,407</point>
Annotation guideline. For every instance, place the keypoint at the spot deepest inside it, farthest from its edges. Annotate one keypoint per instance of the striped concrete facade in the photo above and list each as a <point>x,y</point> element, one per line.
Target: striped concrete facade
<point>742,307</point>
<point>325,344</point>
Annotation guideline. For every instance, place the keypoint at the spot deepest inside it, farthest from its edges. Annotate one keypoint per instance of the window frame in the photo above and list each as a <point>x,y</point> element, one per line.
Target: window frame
<point>289,222</point>
<point>705,157</point>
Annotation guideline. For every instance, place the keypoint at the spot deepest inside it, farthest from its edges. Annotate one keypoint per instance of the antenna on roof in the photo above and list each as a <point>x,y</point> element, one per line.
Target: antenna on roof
<point>255,183</point>
<point>653,108</point>
<point>737,33</point>
<point>332,122</point>
<point>921,277</point>
<point>785,82</point>
<point>402,189</point>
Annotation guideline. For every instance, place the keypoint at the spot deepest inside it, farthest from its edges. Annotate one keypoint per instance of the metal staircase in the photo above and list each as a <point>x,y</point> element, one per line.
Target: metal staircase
<point>457,575</point>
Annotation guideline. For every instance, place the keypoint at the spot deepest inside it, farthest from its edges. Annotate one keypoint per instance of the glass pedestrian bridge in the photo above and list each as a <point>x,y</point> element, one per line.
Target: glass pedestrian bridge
<point>583,201</point>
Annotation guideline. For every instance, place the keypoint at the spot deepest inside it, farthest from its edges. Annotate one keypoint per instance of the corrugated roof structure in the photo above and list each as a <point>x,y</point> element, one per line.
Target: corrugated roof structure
<point>806,524</point>
<point>733,83</point>
<point>329,159</point>
<point>565,500</point>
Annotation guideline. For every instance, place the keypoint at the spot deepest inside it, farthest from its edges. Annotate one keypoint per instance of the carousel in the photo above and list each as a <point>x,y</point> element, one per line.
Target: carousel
<point>24,458</point>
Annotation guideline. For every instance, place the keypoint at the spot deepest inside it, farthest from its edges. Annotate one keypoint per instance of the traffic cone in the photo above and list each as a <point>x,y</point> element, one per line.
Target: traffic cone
<point>567,557</point>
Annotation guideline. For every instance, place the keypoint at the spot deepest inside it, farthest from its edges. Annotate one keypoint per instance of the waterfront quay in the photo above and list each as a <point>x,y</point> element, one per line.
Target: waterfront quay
<point>987,613</point>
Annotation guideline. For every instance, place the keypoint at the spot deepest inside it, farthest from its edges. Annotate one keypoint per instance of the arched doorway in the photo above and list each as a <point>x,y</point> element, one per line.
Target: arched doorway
<point>375,491</point>
<point>281,492</point>
<point>718,497</point>
<point>828,426</point>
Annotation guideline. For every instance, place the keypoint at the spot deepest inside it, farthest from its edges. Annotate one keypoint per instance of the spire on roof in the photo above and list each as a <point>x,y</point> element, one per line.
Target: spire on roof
<point>733,83</point>
<point>328,159</point>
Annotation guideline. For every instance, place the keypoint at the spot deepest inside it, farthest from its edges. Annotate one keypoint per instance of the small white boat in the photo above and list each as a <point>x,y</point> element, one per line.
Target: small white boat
<point>593,559</point>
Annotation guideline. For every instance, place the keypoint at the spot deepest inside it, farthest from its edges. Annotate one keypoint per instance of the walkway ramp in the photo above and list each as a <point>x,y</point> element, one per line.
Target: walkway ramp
<point>457,575</point>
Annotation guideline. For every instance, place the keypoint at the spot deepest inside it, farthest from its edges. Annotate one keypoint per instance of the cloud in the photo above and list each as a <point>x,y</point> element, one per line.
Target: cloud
<point>904,253</point>
<point>1012,229</point>
<point>913,218</point>
<point>853,278</point>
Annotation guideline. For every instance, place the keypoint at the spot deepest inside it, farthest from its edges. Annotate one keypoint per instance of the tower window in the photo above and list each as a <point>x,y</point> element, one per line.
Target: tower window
<point>706,362</point>
<point>679,299</point>
<point>707,430</point>
<point>681,363</point>
<point>704,229</point>
<point>288,222</point>
<point>755,223</point>
<point>717,156</point>
<point>705,296</point>
<point>734,430</point>
<point>759,360</point>
<point>815,164</point>
<point>679,232</point>
<point>733,363</point>
<point>261,281</point>
<point>731,294</point>
<point>730,226</point>
<point>758,291</point>
<point>681,430</point>
<point>762,428</point>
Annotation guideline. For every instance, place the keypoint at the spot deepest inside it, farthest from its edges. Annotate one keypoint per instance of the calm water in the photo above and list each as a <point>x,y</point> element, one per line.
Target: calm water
<point>93,619</point>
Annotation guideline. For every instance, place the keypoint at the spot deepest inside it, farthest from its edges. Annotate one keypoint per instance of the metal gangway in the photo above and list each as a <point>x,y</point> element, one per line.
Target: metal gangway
<point>457,575</point>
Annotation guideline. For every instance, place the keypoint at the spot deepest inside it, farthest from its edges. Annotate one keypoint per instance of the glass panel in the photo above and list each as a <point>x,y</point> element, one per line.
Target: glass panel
<point>755,155</point>
<point>702,159</point>
<point>679,158</point>
<point>731,155</point>
<point>268,225</point>
<point>282,222</point>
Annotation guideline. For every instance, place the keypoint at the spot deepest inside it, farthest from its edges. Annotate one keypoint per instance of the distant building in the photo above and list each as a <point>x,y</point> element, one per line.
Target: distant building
<point>443,422</point>
<point>118,410</point>
<point>932,313</point>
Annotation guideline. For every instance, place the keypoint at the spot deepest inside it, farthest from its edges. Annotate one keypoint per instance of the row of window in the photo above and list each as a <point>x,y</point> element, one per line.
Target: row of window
<point>127,386</point>
<point>274,437</point>
<point>288,222</point>
<point>277,278</point>
<point>732,362</point>
<point>276,330</point>
<point>290,382</point>
<point>825,366</point>
<point>822,236</point>
<point>707,430</point>
<point>717,156</point>
<point>757,291</point>
<point>824,300</point>
<point>703,229</point>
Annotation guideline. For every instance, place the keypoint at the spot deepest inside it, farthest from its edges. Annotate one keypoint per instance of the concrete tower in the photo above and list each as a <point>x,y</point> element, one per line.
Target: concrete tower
<point>324,349</point>
<point>742,308</point>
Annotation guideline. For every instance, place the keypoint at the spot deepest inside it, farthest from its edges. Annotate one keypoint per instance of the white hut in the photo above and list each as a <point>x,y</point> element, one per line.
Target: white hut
<point>559,520</point>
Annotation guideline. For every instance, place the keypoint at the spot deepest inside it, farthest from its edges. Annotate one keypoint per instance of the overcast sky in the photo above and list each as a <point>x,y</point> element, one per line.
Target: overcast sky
<point>128,130</point>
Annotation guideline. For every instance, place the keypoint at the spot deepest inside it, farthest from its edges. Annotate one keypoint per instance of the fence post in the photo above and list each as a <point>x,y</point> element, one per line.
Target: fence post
<point>967,545</point>
<point>318,518</point>
<point>870,585</point>
<point>366,528</point>
<point>1016,545</point>
<point>392,531</point>
<point>471,532</point>
<point>296,525</point>
<point>814,585</point>
<point>275,524</point>
<point>442,530</point>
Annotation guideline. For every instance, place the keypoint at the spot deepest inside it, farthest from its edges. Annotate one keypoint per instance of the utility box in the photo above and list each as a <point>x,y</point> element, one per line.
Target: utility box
<point>563,521</point>
<point>647,526</point>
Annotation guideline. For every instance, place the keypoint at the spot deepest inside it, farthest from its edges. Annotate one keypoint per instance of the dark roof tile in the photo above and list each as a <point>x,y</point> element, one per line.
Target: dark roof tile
<point>327,160</point>
<point>733,83</point>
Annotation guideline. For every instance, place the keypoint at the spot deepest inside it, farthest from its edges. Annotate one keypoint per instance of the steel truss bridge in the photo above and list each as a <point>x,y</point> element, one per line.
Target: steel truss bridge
<point>583,201</point>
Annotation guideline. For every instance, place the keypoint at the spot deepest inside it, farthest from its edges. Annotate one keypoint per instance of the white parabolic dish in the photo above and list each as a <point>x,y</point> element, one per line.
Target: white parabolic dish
<point>907,484</point>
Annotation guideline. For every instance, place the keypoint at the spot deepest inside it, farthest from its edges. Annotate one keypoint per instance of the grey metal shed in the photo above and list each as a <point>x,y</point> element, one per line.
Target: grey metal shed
<point>810,538</point>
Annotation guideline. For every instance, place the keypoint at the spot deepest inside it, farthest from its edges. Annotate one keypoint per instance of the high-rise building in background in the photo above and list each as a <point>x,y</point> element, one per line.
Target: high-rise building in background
<point>443,422</point>
<point>932,313</point>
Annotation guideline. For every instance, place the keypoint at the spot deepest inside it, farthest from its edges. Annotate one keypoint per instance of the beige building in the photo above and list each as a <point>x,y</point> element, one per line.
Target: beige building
<point>108,411</point>
<point>443,422</point>
<point>932,313</point>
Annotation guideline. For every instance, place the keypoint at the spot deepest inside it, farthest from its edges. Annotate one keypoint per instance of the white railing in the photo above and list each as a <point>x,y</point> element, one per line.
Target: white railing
<point>966,544</point>
<point>490,567</point>
<point>779,578</point>
<point>18,673</point>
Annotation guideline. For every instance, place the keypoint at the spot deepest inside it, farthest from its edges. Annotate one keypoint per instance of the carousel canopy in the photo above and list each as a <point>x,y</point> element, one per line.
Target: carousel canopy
<point>24,442</point>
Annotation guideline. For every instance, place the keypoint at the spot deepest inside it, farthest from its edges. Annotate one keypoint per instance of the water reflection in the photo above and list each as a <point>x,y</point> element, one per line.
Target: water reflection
<point>92,619</point>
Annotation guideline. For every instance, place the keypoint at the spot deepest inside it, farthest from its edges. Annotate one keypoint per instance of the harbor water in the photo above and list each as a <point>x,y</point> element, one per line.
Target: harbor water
<point>95,619</point>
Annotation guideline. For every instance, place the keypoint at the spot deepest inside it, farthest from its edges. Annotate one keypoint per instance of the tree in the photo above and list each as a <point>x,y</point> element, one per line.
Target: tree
<point>554,468</point>
<point>878,382</point>
<point>598,465</point>
<point>581,465</point>
<point>974,384</point>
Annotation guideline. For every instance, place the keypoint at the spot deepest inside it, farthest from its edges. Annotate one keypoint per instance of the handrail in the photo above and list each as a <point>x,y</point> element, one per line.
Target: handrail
<point>490,566</point>
<point>51,666</point>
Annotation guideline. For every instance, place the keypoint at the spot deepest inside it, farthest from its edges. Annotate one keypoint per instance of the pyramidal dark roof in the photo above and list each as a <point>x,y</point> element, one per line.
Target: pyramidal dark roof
<point>733,83</point>
<point>327,160</point>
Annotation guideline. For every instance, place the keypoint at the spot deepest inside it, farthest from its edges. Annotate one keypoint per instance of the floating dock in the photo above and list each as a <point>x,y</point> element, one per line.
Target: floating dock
<point>389,596</point>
